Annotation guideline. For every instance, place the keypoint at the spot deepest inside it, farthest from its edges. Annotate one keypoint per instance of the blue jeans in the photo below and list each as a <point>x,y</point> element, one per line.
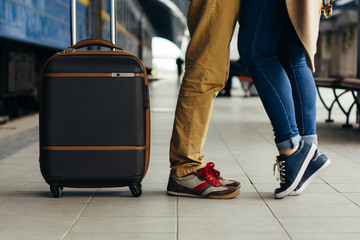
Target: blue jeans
<point>275,57</point>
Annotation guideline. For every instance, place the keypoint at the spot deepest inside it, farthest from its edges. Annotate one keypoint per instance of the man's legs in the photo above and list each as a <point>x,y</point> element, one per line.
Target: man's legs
<point>211,24</point>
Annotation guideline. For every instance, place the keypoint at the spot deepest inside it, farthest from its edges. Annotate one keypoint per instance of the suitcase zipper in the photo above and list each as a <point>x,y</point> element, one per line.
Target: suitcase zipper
<point>123,74</point>
<point>118,75</point>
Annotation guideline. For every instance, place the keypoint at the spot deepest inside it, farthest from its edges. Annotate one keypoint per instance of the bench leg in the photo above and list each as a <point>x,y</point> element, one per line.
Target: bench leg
<point>347,125</point>
<point>346,112</point>
<point>357,102</point>
<point>329,109</point>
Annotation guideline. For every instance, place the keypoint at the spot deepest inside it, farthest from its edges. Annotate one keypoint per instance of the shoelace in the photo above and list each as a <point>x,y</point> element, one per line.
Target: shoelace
<point>281,171</point>
<point>207,173</point>
<point>213,171</point>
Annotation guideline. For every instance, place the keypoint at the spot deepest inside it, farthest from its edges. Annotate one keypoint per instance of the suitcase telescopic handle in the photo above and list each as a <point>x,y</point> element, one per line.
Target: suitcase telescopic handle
<point>73,22</point>
<point>95,42</point>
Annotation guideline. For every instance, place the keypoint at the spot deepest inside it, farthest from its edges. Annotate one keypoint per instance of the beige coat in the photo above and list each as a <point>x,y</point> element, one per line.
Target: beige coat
<point>305,16</point>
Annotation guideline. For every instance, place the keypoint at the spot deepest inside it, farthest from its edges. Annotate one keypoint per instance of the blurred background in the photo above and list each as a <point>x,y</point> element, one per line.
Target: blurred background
<point>154,30</point>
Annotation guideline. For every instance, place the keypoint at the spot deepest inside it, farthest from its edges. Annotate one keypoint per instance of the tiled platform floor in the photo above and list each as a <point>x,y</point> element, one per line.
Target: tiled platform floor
<point>240,142</point>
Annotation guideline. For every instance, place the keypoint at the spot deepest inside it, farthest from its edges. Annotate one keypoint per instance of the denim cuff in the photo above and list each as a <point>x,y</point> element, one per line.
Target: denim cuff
<point>311,138</point>
<point>288,144</point>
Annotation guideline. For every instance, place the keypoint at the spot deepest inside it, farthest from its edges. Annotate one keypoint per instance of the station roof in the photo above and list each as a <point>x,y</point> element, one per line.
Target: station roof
<point>168,17</point>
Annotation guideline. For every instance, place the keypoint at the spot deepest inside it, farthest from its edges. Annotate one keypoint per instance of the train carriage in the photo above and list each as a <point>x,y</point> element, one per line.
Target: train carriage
<point>31,31</point>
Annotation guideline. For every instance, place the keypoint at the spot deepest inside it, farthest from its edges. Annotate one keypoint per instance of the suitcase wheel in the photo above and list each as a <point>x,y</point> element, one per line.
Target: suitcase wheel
<point>56,190</point>
<point>136,189</point>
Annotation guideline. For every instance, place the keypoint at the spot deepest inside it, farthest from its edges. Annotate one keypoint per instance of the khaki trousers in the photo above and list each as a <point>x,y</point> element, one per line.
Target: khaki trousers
<point>211,25</point>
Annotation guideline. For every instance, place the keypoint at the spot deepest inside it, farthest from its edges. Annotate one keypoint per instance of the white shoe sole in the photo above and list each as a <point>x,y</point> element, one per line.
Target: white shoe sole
<point>312,177</point>
<point>300,174</point>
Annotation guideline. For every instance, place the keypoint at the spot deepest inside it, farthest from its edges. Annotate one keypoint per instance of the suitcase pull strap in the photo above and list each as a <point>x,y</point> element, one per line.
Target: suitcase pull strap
<point>95,42</point>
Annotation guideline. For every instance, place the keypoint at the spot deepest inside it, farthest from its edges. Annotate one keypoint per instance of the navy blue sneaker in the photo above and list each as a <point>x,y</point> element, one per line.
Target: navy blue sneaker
<point>292,168</point>
<point>317,164</point>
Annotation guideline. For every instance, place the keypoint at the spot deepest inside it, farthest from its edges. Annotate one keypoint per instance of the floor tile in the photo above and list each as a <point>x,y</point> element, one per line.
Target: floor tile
<point>347,187</point>
<point>126,225</point>
<point>70,195</point>
<point>316,210</point>
<point>355,197</point>
<point>231,208</point>
<point>13,173</point>
<point>233,236</point>
<point>308,198</point>
<point>229,225</point>
<point>35,224</point>
<point>146,205</point>
<point>119,236</point>
<point>327,236</point>
<point>39,207</point>
<point>39,234</point>
<point>321,225</point>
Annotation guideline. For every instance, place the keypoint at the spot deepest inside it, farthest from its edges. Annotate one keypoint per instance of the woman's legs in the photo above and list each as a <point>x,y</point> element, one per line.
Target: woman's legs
<point>292,57</point>
<point>264,42</point>
<point>269,47</point>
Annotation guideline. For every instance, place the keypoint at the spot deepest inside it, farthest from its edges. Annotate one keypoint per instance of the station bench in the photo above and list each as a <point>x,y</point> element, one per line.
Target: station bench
<point>345,85</point>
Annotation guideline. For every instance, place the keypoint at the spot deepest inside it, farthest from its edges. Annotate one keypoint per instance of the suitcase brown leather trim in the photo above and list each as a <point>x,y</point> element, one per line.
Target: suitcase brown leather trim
<point>92,148</point>
<point>90,52</point>
<point>147,137</point>
<point>93,75</point>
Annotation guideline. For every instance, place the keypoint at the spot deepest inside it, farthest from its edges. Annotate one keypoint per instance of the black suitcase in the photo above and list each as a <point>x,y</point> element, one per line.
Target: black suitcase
<point>94,119</point>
